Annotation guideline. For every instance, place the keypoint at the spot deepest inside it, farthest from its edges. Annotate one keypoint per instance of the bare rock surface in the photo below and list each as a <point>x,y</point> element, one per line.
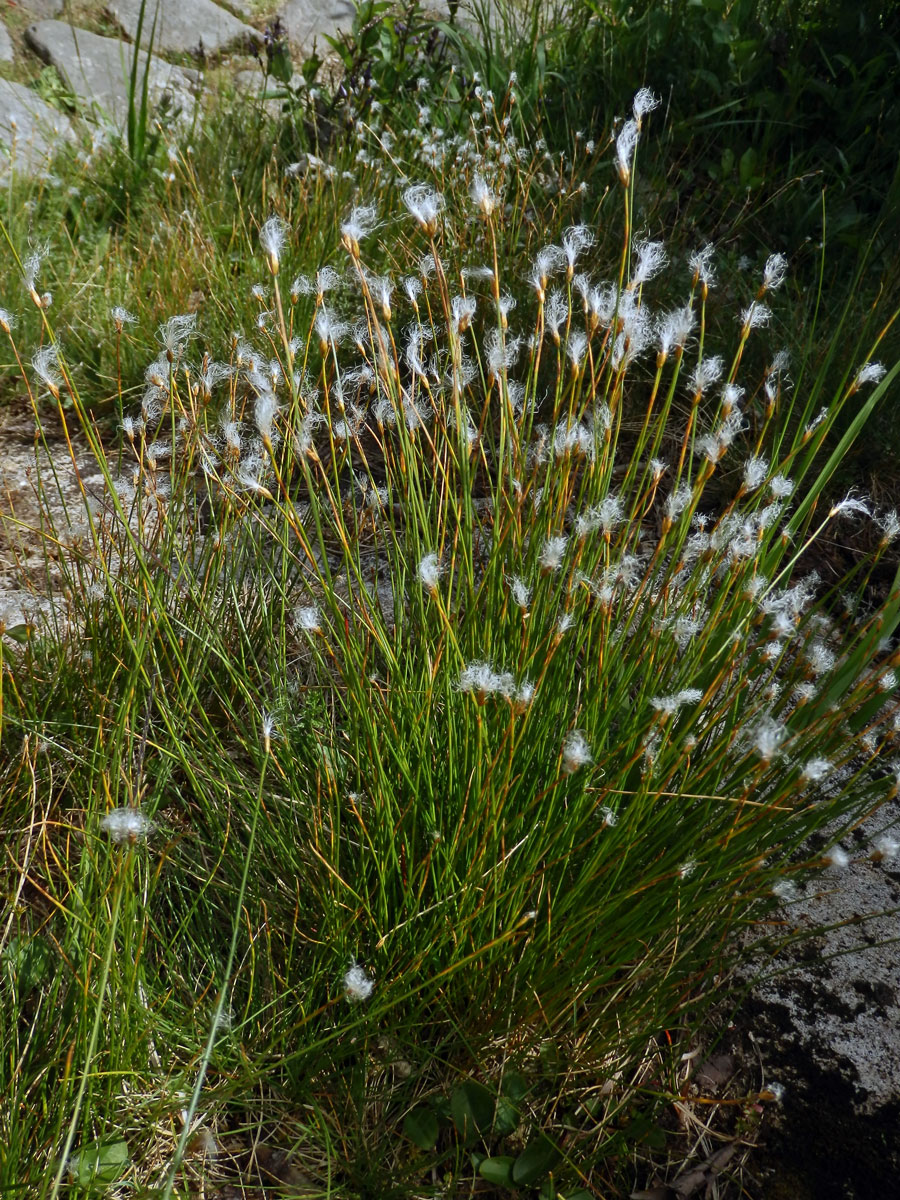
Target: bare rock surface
<point>305,21</point>
<point>44,9</point>
<point>182,26</point>
<point>30,130</point>
<point>7,54</point>
<point>825,1017</point>
<point>95,69</point>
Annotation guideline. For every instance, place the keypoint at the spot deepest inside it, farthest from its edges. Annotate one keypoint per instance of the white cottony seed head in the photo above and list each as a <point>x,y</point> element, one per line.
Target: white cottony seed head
<point>307,618</point>
<point>870,372</point>
<point>357,984</point>
<point>552,553</point>
<point>671,704</point>
<point>575,752</point>
<point>774,272</point>
<point>625,144</point>
<point>425,204</point>
<point>430,571</point>
<point>816,770</point>
<point>521,592</point>
<point>272,238</point>
<point>126,825</point>
<point>755,471</point>
<point>644,102</point>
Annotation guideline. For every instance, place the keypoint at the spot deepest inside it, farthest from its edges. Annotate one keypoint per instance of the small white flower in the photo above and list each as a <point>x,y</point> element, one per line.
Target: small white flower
<point>126,825</point>
<point>481,679</point>
<point>575,752</point>
<point>836,857</point>
<point>357,984</point>
<point>265,411</point>
<point>462,309</point>
<point>678,501</point>
<point>610,817</point>
<point>564,624</point>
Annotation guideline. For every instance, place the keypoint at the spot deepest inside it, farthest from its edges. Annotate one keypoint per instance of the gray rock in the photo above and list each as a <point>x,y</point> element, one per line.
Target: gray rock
<point>7,54</point>
<point>30,130</point>
<point>96,71</point>
<point>306,20</point>
<point>44,9</point>
<point>182,26</point>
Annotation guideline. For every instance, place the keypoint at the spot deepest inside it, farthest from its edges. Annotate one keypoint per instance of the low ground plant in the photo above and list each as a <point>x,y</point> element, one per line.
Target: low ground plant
<point>433,686</point>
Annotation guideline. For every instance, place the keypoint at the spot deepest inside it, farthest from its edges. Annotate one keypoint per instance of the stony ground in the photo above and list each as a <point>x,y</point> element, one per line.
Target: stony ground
<point>827,1026</point>
<point>93,67</point>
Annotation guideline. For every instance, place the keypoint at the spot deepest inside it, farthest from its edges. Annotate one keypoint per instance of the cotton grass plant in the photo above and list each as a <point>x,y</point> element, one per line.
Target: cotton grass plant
<point>436,689</point>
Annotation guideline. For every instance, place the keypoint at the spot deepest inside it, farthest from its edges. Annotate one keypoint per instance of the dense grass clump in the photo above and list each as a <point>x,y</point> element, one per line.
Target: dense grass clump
<point>435,687</point>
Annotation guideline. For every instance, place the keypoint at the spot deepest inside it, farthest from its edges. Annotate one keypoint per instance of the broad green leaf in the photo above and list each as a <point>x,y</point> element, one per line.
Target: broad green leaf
<point>538,1157</point>
<point>19,633</point>
<point>472,1106</point>
<point>99,1162</point>
<point>28,963</point>
<point>421,1127</point>
<point>515,1086</point>
<point>497,1170</point>
<point>507,1117</point>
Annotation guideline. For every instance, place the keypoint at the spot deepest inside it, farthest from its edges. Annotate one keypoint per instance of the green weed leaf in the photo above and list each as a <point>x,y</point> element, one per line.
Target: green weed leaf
<point>99,1162</point>
<point>472,1106</point>
<point>538,1157</point>
<point>421,1127</point>
<point>497,1170</point>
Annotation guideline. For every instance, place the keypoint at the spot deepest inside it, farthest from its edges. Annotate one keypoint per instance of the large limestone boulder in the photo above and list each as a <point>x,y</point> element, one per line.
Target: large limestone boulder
<point>30,130</point>
<point>182,26</point>
<point>305,21</point>
<point>96,70</point>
